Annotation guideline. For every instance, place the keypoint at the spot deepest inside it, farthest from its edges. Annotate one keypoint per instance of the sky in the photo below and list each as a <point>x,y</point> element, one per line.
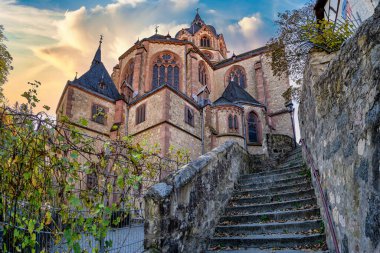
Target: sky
<point>51,40</point>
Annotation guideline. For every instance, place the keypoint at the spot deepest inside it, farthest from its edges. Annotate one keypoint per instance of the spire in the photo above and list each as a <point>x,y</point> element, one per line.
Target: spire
<point>197,19</point>
<point>98,54</point>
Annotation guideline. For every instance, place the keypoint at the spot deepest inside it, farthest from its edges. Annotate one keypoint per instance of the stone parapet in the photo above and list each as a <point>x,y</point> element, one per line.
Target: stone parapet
<point>182,211</point>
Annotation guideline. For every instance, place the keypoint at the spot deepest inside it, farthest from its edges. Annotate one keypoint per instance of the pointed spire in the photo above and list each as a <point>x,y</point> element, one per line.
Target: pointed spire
<point>98,54</point>
<point>197,19</point>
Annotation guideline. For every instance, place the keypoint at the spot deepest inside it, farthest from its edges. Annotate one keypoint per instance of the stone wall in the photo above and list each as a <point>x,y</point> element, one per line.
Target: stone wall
<point>181,212</point>
<point>278,145</point>
<point>339,119</point>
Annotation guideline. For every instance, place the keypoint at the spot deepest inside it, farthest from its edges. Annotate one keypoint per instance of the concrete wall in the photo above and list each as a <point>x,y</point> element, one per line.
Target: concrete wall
<point>339,119</point>
<point>180,212</point>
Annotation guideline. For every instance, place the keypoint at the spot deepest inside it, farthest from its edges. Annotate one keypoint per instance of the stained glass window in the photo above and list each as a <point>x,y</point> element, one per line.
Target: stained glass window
<point>165,71</point>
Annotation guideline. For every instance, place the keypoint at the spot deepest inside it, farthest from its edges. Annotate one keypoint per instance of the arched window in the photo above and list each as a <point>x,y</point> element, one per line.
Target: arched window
<point>202,73</point>
<point>165,70</point>
<point>128,76</point>
<point>230,122</point>
<point>237,74</point>
<point>253,135</point>
<point>236,125</point>
<point>205,41</point>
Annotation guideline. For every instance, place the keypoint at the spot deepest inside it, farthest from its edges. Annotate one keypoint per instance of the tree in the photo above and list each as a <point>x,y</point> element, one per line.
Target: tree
<point>5,60</point>
<point>298,32</point>
<point>44,191</point>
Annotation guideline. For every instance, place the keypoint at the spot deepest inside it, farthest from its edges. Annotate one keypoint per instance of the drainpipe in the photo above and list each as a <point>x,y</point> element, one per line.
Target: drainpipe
<point>244,130</point>
<point>202,131</point>
<point>126,119</point>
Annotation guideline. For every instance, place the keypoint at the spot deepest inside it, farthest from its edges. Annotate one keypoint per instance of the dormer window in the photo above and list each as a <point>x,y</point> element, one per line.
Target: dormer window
<point>102,85</point>
<point>205,41</point>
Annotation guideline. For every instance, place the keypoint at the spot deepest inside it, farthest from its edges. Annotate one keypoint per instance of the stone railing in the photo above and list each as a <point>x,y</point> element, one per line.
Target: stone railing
<point>181,212</point>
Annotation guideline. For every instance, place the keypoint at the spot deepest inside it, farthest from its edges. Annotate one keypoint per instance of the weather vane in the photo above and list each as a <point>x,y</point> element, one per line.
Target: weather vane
<point>156,28</point>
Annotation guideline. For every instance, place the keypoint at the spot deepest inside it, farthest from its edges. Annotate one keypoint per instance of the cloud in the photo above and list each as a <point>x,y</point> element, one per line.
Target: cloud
<point>183,4</point>
<point>247,33</point>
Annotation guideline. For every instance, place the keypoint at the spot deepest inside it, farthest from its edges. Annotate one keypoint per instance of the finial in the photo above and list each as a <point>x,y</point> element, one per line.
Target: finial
<point>156,28</point>
<point>197,10</point>
<point>101,39</point>
<point>76,76</point>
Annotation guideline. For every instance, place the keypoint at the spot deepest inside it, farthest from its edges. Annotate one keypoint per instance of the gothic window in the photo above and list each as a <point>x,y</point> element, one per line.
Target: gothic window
<point>92,181</point>
<point>236,125</point>
<point>140,114</point>
<point>205,41</point>
<point>237,74</point>
<point>202,73</point>
<point>253,128</point>
<point>98,114</point>
<point>230,122</point>
<point>165,71</point>
<point>128,77</point>
<point>189,116</point>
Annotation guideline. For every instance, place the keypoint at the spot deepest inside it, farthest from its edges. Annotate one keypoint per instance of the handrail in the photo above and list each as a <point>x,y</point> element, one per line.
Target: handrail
<point>310,161</point>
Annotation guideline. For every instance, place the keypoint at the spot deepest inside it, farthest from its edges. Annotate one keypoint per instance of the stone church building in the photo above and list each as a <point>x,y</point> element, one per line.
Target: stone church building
<point>183,92</point>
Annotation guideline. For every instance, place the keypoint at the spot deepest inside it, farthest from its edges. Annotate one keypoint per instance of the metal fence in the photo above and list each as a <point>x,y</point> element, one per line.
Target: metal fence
<point>125,237</point>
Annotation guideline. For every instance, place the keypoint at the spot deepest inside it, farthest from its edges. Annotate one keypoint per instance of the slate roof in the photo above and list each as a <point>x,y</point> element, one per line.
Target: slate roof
<point>97,74</point>
<point>234,94</point>
<point>242,56</point>
<point>160,37</point>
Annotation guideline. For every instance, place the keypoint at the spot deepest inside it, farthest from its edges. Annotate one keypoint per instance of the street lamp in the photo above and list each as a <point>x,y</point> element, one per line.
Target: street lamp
<point>290,107</point>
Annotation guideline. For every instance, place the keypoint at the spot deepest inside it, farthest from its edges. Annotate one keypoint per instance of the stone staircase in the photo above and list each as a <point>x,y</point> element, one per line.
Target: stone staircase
<point>272,211</point>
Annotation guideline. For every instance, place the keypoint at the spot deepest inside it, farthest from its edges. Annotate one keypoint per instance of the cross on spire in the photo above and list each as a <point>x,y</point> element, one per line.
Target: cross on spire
<point>156,28</point>
<point>101,39</point>
<point>197,10</point>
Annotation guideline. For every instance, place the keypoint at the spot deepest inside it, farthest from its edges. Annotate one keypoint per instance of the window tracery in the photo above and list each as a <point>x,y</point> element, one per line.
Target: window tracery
<point>165,70</point>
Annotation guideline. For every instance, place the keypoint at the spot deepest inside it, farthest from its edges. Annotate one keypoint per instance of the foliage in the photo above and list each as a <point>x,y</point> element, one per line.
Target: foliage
<point>326,35</point>
<point>298,31</point>
<point>44,167</point>
<point>5,60</point>
<point>292,93</point>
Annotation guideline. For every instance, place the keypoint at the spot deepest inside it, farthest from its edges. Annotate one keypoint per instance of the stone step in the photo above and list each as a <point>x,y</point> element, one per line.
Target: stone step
<point>287,165</point>
<point>268,207</point>
<point>295,195</point>
<point>269,241</point>
<point>270,228</point>
<point>258,250</point>
<point>306,214</point>
<point>271,178</point>
<point>271,172</point>
<point>281,182</point>
<point>273,190</point>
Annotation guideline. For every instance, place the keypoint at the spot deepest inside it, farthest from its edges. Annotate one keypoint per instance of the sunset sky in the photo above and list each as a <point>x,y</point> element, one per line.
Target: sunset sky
<point>51,40</point>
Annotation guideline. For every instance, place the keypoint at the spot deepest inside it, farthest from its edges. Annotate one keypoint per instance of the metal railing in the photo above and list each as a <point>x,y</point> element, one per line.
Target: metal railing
<point>315,171</point>
<point>125,237</point>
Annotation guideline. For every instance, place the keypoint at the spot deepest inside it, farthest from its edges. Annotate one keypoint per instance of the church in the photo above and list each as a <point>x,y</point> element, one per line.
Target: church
<point>182,92</point>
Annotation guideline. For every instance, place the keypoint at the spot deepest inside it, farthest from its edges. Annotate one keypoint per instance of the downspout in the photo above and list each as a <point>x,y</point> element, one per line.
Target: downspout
<point>202,131</point>
<point>126,119</point>
<point>244,130</point>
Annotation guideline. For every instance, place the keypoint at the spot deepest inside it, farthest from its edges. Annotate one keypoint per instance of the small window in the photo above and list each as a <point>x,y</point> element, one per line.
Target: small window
<point>230,122</point>
<point>92,181</point>
<point>236,125</point>
<point>189,116</point>
<point>98,114</point>
<point>102,85</point>
<point>140,114</point>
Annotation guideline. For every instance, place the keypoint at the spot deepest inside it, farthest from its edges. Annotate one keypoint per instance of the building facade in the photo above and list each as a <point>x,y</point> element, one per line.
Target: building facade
<point>182,92</point>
